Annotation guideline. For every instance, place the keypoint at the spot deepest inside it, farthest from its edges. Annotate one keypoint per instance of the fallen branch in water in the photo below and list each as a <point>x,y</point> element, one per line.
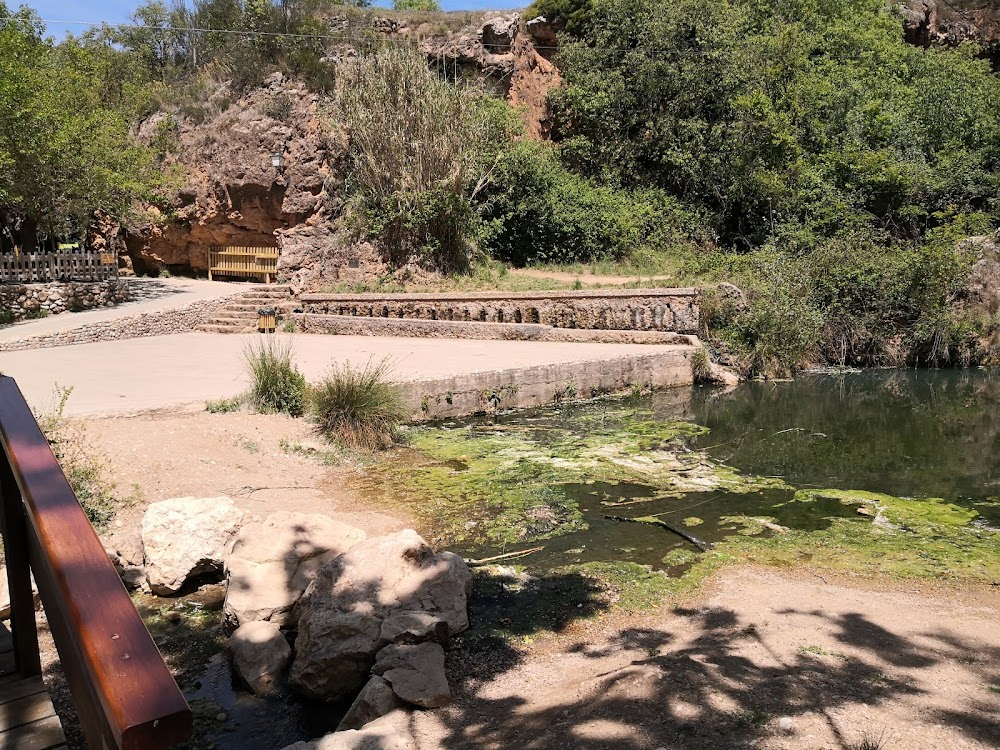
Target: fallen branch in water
<point>506,556</point>
<point>703,546</point>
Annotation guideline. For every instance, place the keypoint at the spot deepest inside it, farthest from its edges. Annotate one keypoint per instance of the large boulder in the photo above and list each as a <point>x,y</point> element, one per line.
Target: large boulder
<point>390,732</point>
<point>342,611</point>
<point>260,654</point>
<point>187,536</point>
<point>274,560</point>
<point>416,673</point>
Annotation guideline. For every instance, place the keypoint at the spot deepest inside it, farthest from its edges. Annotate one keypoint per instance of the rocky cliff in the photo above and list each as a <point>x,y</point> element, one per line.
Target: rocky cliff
<point>223,189</point>
<point>950,22</point>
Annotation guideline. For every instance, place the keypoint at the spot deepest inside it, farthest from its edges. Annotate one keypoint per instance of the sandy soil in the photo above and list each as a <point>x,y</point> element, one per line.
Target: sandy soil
<point>264,462</point>
<point>588,278</point>
<point>758,659</point>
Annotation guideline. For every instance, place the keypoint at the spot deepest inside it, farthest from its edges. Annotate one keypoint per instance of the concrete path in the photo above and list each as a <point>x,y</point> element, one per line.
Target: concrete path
<point>116,377</point>
<point>148,295</point>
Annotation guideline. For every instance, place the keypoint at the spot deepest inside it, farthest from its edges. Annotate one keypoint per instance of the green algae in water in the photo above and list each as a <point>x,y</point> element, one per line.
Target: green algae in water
<point>549,479</point>
<point>489,486</point>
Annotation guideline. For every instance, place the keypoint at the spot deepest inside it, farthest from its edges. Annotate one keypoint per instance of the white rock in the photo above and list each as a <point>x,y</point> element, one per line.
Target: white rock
<point>786,724</point>
<point>273,561</point>
<point>260,654</point>
<point>187,536</point>
<point>375,699</point>
<point>340,627</point>
<point>416,673</point>
<point>391,732</point>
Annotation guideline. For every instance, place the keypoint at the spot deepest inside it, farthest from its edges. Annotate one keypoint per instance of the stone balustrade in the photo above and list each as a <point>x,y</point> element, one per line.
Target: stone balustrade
<point>673,310</point>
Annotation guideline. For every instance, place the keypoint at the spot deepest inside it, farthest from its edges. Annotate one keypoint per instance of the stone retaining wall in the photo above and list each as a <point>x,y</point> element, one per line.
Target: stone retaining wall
<point>342,325</point>
<point>18,301</point>
<point>674,310</point>
<point>518,388</point>
<point>180,320</point>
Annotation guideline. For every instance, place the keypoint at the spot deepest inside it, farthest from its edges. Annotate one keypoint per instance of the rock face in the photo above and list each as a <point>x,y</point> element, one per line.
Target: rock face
<point>260,654</point>
<point>221,149</point>
<point>344,608</point>
<point>231,194</point>
<point>273,561</point>
<point>951,22</point>
<point>416,673</point>
<point>187,536</point>
<point>391,732</point>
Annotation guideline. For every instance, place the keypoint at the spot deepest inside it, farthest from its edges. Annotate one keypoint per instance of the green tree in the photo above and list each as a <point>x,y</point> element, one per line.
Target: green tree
<point>65,148</point>
<point>416,5</point>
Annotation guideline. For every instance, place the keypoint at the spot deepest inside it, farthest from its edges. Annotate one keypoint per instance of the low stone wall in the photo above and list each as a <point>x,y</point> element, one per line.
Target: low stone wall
<point>674,310</point>
<point>26,300</point>
<point>180,320</point>
<point>474,393</point>
<point>342,325</point>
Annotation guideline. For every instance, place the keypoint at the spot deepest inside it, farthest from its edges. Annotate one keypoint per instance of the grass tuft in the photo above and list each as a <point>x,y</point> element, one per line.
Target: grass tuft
<point>358,406</point>
<point>276,385</point>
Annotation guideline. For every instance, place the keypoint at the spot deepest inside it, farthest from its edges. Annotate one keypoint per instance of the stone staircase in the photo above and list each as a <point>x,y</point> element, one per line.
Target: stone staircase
<point>240,313</point>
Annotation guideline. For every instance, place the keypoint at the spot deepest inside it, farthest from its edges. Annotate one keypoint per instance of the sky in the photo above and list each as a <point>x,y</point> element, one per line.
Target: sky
<point>117,11</point>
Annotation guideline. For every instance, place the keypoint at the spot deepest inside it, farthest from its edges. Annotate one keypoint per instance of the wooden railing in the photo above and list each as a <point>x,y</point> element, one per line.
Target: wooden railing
<point>123,692</point>
<point>259,262</point>
<point>61,265</point>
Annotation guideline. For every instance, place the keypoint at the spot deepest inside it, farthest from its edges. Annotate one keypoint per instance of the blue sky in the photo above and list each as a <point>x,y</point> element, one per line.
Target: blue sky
<point>115,11</point>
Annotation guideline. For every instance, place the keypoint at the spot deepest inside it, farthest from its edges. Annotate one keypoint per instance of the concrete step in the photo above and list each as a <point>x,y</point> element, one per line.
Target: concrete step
<point>214,328</point>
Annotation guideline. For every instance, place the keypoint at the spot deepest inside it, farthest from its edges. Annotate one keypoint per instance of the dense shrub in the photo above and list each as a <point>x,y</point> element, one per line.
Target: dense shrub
<point>536,210</point>
<point>416,142</point>
<point>358,406</point>
<point>852,301</point>
<point>788,122</point>
<point>276,385</point>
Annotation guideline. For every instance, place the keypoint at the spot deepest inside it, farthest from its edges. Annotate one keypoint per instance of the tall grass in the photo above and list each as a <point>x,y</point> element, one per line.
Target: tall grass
<point>276,385</point>
<point>358,407</point>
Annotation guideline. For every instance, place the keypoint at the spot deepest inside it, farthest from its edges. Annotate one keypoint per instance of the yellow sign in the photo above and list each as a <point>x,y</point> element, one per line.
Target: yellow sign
<point>108,259</point>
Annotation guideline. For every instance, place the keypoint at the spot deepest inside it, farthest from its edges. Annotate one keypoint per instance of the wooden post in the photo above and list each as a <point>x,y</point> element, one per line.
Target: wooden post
<point>22,601</point>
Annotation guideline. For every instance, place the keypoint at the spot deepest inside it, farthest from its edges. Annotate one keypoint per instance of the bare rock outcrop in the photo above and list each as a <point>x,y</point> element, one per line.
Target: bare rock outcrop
<point>260,655</point>
<point>941,22</point>
<point>274,560</point>
<point>344,608</point>
<point>231,194</point>
<point>185,537</point>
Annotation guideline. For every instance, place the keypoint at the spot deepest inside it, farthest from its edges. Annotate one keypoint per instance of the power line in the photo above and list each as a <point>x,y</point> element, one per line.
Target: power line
<point>331,37</point>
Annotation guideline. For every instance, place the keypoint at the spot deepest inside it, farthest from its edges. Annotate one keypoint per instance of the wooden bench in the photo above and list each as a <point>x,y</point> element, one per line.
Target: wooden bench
<point>124,695</point>
<point>253,262</point>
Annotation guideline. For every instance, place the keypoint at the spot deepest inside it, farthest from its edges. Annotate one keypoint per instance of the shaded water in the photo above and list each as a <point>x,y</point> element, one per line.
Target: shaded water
<point>916,434</point>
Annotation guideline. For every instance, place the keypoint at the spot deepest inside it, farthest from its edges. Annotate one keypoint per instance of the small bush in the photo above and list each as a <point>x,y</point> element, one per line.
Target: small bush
<point>224,406</point>
<point>279,107</point>
<point>358,406</point>
<point>84,471</point>
<point>276,385</point>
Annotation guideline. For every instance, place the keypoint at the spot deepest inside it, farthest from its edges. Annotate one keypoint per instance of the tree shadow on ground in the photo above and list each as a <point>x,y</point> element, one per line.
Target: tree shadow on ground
<point>712,682</point>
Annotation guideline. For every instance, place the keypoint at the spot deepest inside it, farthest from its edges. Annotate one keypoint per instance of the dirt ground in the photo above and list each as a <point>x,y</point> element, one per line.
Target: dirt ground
<point>760,658</point>
<point>264,462</point>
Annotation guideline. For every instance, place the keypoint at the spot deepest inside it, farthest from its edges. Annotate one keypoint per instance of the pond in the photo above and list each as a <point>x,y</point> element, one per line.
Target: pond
<point>556,483</point>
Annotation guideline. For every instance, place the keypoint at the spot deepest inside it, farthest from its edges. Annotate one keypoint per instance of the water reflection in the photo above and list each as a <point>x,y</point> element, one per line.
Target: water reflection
<point>907,433</point>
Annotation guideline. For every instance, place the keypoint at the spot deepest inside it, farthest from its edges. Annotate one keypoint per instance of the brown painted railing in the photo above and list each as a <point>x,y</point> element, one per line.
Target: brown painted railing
<point>123,693</point>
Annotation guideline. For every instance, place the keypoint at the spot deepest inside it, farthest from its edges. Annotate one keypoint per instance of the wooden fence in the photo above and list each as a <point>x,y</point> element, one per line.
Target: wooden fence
<point>260,262</point>
<point>61,265</point>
